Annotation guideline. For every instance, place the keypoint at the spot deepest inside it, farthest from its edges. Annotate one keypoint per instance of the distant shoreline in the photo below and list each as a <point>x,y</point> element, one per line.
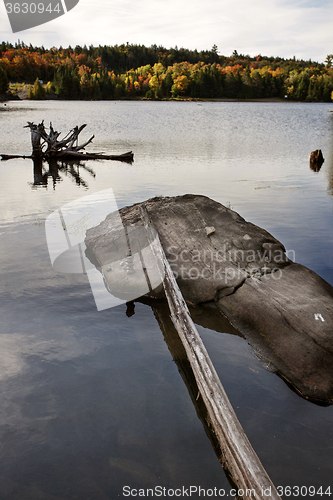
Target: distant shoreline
<point>17,97</point>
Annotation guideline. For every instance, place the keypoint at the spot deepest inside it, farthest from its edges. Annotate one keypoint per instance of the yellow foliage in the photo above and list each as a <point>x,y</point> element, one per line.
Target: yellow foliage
<point>158,68</point>
<point>154,82</point>
<point>290,90</point>
<point>181,84</point>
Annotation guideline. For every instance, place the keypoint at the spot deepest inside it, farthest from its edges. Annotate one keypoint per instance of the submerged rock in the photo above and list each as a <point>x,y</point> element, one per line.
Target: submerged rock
<point>284,309</point>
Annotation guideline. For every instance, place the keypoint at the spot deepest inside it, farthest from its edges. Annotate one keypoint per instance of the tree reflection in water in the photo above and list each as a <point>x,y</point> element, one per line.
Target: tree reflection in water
<point>56,169</point>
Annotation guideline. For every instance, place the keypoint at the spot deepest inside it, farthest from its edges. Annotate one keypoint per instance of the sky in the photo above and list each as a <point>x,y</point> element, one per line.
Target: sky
<point>285,28</point>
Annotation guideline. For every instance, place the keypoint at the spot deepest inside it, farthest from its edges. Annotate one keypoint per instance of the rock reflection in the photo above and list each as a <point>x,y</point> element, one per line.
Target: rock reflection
<point>330,171</point>
<point>130,309</point>
<point>55,169</point>
<point>329,165</point>
<point>208,317</point>
<point>330,179</point>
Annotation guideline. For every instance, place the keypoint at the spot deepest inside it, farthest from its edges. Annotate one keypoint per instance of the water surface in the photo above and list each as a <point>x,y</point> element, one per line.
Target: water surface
<point>93,401</point>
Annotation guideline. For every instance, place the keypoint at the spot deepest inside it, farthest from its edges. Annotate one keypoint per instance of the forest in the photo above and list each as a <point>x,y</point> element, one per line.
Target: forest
<point>131,71</point>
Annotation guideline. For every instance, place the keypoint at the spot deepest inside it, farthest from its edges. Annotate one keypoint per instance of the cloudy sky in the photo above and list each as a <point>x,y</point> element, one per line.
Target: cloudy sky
<point>286,28</point>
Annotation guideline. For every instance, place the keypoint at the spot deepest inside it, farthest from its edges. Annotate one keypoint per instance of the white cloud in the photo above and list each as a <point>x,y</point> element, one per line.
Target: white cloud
<point>271,27</point>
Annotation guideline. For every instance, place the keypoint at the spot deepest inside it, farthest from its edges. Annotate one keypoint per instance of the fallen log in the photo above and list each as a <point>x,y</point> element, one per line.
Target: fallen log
<point>128,157</point>
<point>73,155</point>
<point>237,455</point>
<point>5,157</point>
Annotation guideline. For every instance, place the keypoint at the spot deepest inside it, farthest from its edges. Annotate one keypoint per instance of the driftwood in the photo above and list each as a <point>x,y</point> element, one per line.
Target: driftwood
<point>128,157</point>
<point>47,145</point>
<point>40,138</point>
<point>5,157</point>
<point>237,454</point>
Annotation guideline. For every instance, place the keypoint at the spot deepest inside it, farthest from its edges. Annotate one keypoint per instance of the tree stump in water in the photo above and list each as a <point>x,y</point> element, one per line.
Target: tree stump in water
<point>67,148</point>
<point>55,147</point>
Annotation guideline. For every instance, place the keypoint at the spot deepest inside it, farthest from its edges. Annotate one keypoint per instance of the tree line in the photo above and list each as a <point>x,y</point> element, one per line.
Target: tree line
<point>130,71</point>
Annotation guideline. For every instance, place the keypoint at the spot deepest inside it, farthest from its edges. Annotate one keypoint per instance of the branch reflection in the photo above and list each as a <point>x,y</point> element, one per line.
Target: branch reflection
<point>55,170</point>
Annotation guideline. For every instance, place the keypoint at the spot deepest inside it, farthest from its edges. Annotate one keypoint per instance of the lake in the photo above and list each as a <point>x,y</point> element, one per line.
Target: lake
<point>92,401</point>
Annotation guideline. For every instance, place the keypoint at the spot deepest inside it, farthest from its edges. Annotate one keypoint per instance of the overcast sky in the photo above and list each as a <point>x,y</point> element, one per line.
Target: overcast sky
<point>285,28</point>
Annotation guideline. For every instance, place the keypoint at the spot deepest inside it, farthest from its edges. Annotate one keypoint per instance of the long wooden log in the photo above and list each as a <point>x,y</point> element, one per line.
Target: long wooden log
<point>95,156</point>
<point>239,458</point>
<point>74,155</point>
<point>5,157</point>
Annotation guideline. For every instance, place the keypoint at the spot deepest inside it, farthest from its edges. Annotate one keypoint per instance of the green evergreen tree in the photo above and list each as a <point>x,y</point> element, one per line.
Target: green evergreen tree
<point>302,86</point>
<point>106,85</point>
<point>4,83</point>
<point>37,91</point>
<point>257,85</point>
<point>327,87</point>
<point>247,90</point>
<point>67,83</point>
<point>329,60</point>
<point>230,88</point>
<point>167,83</point>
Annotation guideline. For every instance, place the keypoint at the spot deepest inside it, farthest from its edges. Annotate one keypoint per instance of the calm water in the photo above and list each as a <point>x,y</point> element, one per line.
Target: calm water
<point>93,401</point>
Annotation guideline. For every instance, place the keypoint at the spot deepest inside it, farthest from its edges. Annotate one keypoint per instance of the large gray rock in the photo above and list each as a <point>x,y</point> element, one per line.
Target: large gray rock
<point>284,309</point>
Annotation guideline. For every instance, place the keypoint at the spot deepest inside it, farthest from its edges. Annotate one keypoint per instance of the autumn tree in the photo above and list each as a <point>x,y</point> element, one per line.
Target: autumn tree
<point>127,71</point>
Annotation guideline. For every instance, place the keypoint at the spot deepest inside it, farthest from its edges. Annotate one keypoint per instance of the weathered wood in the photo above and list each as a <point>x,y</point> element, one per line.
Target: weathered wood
<point>239,458</point>
<point>82,146</point>
<point>11,157</point>
<point>73,155</point>
<point>68,147</point>
<point>36,135</point>
<point>127,157</point>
